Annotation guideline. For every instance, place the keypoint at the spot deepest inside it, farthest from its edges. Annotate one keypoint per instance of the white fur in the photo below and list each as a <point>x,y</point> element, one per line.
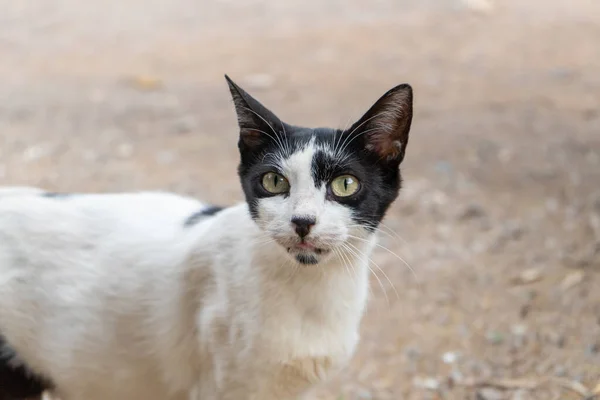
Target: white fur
<point>114,298</point>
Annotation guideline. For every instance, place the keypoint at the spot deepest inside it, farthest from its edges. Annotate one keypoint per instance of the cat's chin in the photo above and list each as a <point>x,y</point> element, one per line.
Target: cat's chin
<point>307,259</point>
<point>307,255</point>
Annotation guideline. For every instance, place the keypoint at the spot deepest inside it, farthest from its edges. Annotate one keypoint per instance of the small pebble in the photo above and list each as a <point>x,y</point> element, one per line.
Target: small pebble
<point>520,394</point>
<point>412,353</point>
<point>571,280</point>
<point>557,339</point>
<point>456,376</point>
<point>450,357</point>
<point>519,330</point>
<point>513,230</point>
<point>528,276</point>
<point>524,310</point>
<point>363,394</point>
<point>495,337</point>
<point>34,153</point>
<point>428,383</point>
<point>184,125</point>
<point>560,371</point>
<point>471,211</point>
<point>592,349</point>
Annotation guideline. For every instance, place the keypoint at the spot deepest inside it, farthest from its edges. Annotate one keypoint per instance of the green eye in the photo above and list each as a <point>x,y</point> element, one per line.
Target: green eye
<point>344,185</point>
<point>275,183</point>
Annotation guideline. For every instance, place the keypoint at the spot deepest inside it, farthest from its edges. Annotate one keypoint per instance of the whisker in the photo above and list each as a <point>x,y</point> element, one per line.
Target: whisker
<point>375,229</point>
<point>337,253</point>
<point>357,136</point>
<point>294,271</point>
<point>391,234</point>
<point>285,136</point>
<point>354,270</point>
<point>279,141</point>
<point>347,248</point>
<point>378,267</point>
<point>262,244</point>
<point>394,232</point>
<point>361,124</point>
<point>348,123</point>
<point>391,252</point>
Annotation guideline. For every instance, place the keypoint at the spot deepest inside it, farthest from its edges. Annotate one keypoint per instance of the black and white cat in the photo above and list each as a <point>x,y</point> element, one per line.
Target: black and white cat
<point>157,296</point>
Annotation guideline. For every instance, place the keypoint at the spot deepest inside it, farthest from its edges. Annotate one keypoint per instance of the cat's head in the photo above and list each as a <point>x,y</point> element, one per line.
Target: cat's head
<point>312,190</point>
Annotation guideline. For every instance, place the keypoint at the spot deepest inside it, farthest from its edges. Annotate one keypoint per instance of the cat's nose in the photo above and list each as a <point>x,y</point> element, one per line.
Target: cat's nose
<point>303,225</point>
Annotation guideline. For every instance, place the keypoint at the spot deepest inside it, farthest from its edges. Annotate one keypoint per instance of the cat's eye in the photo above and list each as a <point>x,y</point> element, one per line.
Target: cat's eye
<point>344,186</point>
<point>275,183</point>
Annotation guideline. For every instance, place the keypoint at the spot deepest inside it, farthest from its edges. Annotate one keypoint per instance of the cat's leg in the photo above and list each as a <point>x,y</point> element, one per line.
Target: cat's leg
<point>295,379</point>
<point>290,381</point>
<point>17,382</point>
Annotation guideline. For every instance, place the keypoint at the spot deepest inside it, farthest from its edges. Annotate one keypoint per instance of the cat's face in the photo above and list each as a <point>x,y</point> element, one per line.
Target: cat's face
<point>312,190</point>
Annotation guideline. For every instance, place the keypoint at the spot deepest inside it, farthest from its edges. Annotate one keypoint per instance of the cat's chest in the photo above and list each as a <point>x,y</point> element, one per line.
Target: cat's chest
<point>311,326</point>
<point>307,345</point>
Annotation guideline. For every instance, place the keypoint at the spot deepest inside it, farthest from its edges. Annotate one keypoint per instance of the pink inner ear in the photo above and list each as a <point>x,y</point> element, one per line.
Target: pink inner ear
<point>385,145</point>
<point>388,129</point>
<point>251,137</point>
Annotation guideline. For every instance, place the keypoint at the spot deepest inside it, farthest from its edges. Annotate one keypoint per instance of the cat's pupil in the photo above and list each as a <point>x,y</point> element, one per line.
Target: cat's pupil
<point>275,180</point>
<point>346,183</point>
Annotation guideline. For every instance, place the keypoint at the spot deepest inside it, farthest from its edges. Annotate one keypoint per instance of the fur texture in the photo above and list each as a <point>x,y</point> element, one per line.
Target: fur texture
<point>158,296</point>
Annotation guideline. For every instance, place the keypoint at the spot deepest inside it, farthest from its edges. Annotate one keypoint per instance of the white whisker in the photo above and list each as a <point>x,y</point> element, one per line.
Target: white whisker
<point>378,267</point>
<point>279,141</point>
<point>391,252</point>
<point>347,248</point>
<point>359,125</point>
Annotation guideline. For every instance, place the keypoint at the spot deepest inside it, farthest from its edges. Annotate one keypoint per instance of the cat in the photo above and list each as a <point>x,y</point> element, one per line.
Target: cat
<point>152,295</point>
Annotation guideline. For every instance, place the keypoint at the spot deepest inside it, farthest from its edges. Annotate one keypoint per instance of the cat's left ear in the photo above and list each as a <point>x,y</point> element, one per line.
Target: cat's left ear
<point>385,127</point>
<point>257,123</point>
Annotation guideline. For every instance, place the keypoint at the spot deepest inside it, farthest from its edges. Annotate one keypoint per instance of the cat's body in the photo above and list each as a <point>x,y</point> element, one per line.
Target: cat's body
<point>158,296</point>
<point>112,322</point>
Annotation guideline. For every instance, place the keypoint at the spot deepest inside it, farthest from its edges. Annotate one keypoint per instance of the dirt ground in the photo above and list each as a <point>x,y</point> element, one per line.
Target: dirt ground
<point>500,215</point>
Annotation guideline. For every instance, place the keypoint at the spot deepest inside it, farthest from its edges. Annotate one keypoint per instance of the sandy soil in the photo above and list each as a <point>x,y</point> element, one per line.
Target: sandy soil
<point>500,217</point>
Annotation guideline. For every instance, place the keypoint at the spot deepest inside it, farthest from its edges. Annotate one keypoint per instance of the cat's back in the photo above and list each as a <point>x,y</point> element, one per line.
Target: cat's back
<point>42,231</point>
<point>87,216</point>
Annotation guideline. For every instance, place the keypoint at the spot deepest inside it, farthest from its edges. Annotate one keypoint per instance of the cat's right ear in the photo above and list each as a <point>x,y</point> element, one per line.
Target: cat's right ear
<point>257,124</point>
<point>385,128</point>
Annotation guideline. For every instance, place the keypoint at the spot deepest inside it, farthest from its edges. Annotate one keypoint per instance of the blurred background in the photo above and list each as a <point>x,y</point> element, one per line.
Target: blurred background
<point>500,215</point>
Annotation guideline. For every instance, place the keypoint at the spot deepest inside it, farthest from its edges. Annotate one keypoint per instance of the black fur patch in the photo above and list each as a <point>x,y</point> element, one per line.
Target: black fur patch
<point>379,183</point>
<point>17,382</point>
<point>306,259</point>
<point>199,215</point>
<point>54,195</point>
